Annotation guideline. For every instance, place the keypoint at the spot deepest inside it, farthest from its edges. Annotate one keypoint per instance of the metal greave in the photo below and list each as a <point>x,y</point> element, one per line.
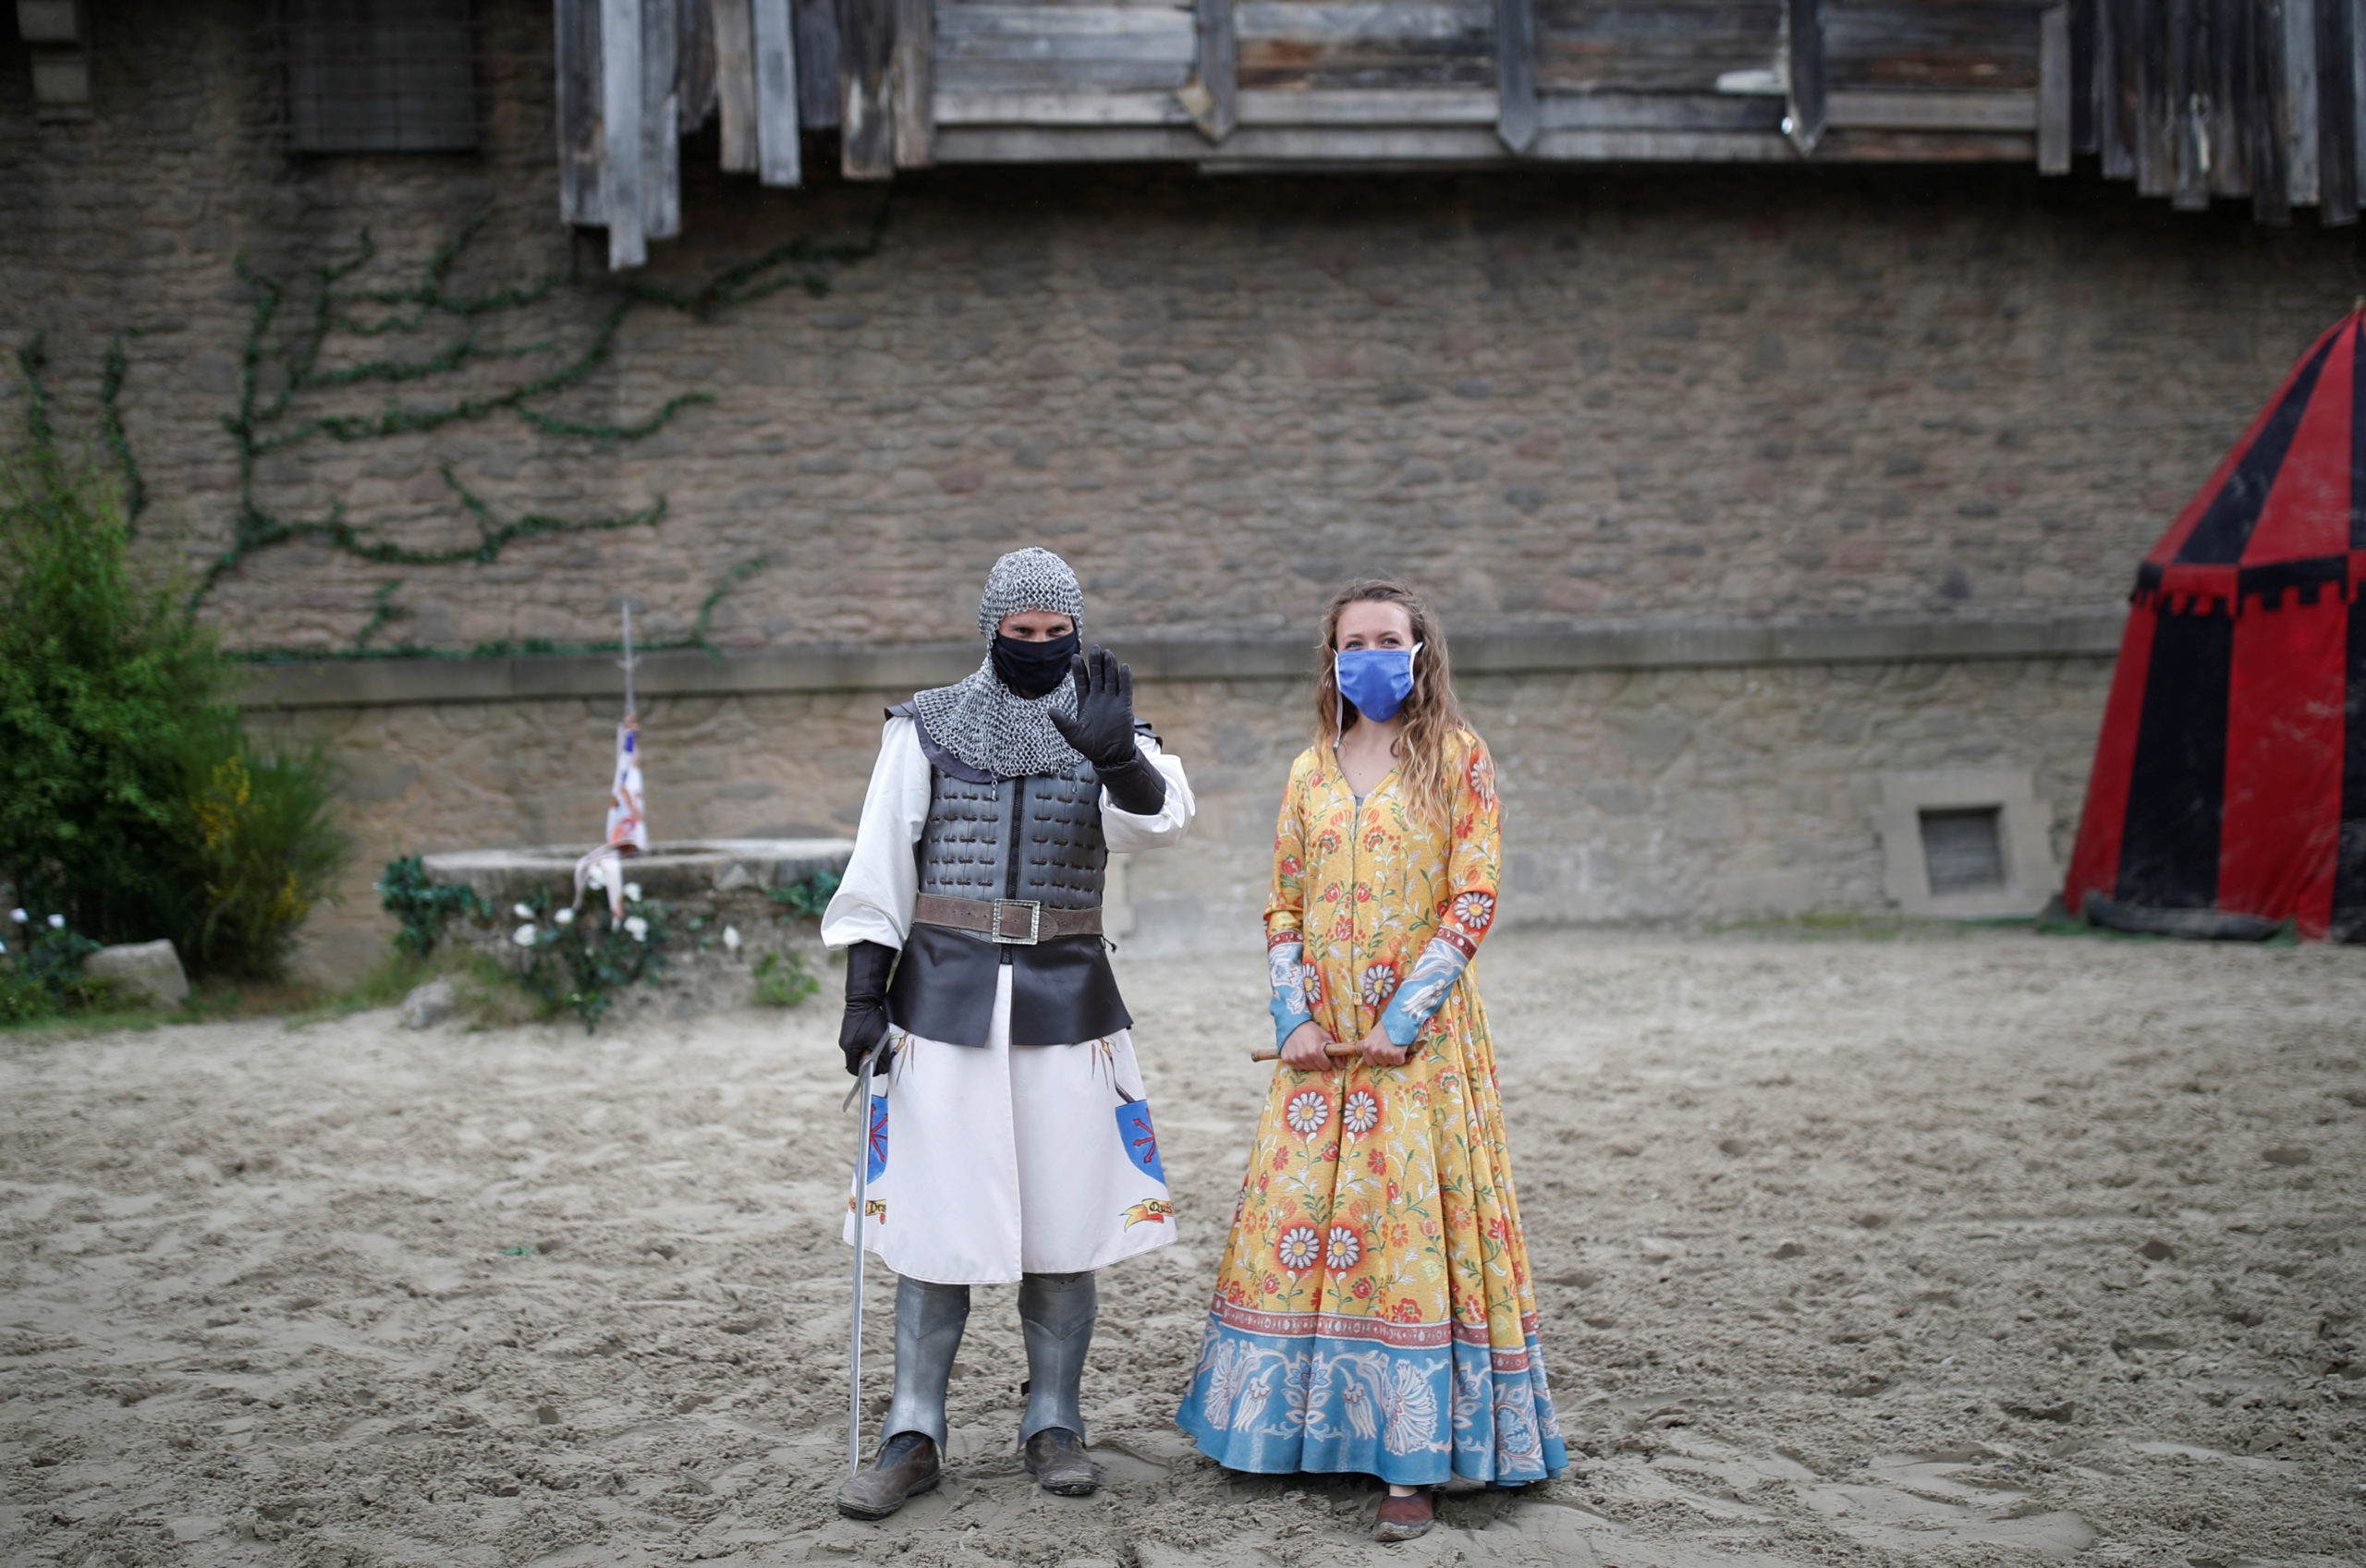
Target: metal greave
<point>929,1319</point>
<point>1056,1312</point>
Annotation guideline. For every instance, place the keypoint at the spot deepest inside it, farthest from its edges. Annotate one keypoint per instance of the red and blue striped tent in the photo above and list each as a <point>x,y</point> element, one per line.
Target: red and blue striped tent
<point>2231,772</point>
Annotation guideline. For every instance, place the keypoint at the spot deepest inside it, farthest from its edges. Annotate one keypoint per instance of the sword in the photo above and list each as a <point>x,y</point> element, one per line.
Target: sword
<point>862,1095</point>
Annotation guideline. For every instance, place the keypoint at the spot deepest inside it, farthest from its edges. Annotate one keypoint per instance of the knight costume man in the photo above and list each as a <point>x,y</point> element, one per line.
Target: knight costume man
<point>1012,1142</point>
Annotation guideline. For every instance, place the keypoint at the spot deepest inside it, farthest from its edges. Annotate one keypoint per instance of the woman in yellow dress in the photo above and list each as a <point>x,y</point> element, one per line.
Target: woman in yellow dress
<point>1373,1311</point>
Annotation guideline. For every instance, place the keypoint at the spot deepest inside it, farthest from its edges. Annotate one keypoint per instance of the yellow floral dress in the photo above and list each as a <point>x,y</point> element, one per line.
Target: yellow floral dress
<point>1373,1311</point>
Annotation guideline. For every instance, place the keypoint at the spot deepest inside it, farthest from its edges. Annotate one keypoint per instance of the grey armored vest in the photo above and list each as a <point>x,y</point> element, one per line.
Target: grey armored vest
<point>1027,838</point>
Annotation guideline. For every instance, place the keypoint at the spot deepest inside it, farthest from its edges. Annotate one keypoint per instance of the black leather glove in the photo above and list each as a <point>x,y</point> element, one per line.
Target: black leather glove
<point>1103,734</point>
<point>868,965</point>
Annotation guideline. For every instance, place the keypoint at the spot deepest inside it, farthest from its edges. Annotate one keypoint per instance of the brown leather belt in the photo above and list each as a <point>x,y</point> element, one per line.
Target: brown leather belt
<point>1023,921</point>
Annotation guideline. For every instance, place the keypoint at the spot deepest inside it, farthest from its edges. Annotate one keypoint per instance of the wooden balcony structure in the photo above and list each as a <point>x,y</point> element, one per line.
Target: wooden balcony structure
<point>2192,99</point>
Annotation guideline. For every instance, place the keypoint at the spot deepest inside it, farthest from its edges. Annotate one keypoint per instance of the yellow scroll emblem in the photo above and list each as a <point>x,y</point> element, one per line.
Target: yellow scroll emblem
<point>1150,1211</point>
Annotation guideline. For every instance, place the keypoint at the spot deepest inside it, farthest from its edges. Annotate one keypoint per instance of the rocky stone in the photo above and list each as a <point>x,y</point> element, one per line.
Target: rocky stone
<point>140,974</point>
<point>2288,1154</point>
<point>430,1004</point>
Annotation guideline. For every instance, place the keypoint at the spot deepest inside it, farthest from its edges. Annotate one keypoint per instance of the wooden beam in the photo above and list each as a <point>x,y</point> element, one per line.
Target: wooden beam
<point>2116,87</point>
<point>2299,116</point>
<point>1516,121</point>
<point>578,23</point>
<point>2083,138</point>
<point>817,63</point>
<point>2054,90</point>
<point>2336,115</point>
<point>661,134</point>
<point>2264,121</point>
<point>1211,96</point>
<point>2227,89</point>
<point>694,64</point>
<point>914,83</point>
<point>779,159</point>
<point>620,142</point>
<point>866,111</point>
<point>1932,111</point>
<point>1803,100</point>
<point>2189,55</point>
<point>735,85</point>
<point>2155,159</point>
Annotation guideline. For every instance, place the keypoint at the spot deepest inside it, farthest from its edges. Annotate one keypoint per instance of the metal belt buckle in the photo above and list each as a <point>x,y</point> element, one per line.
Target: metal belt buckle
<point>1034,932</point>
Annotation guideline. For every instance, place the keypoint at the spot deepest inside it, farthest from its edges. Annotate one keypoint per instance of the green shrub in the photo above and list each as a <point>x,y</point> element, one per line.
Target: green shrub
<point>808,896</point>
<point>41,968</point>
<point>782,981</point>
<point>131,799</point>
<point>422,906</point>
<point>579,963</point>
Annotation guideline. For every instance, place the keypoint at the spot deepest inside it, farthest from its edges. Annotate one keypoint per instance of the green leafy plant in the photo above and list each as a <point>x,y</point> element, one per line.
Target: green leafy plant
<point>423,906</point>
<point>41,968</point>
<point>267,842</point>
<point>782,981</point>
<point>580,963</point>
<point>807,896</point>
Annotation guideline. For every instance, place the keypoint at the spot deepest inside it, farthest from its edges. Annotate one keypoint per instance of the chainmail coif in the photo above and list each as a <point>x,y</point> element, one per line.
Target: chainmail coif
<point>983,722</point>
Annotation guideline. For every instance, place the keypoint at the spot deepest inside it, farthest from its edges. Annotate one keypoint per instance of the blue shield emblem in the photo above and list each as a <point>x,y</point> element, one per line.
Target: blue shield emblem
<point>878,1137</point>
<point>1140,1142</point>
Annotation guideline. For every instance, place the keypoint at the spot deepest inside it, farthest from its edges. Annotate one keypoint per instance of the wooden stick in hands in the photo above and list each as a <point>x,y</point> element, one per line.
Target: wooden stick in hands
<point>1375,1047</point>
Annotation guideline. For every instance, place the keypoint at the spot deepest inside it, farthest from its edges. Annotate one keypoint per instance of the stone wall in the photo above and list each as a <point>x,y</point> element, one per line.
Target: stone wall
<point>1700,395</point>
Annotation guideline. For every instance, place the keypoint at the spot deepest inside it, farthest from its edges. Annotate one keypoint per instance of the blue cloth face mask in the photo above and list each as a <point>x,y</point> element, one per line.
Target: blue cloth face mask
<point>1377,680</point>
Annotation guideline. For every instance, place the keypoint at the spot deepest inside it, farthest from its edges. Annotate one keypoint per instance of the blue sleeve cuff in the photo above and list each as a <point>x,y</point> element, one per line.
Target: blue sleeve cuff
<point>1287,1020</point>
<point>1401,1027</point>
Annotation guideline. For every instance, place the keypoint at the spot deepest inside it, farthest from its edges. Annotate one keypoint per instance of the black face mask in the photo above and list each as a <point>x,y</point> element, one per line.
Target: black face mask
<point>1032,669</point>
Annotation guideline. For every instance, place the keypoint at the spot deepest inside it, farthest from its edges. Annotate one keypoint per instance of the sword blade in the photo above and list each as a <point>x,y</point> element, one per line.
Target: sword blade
<point>861,1203</point>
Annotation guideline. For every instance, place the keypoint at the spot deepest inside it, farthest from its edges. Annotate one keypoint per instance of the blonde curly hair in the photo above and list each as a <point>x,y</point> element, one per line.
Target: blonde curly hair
<point>1432,715</point>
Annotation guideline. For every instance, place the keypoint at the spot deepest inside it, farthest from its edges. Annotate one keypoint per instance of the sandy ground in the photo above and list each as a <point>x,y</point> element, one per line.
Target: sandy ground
<point>1976,1250</point>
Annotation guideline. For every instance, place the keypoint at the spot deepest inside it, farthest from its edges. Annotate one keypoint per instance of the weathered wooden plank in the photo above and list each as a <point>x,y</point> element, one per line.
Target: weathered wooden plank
<point>695,65</point>
<point>1842,146</point>
<point>780,157</point>
<point>1304,21</point>
<point>866,114</point>
<point>2358,101</point>
<point>2264,116</point>
<point>817,63</point>
<point>1410,66</point>
<point>734,86</point>
<point>2189,45</point>
<point>1700,113</point>
<point>954,50</point>
<point>1068,144</point>
<point>661,131</point>
<point>1082,77</point>
<point>963,108</point>
<point>1212,93</point>
<point>1887,44</point>
<point>2337,115</point>
<point>2229,155</point>
<point>2116,87</point>
<point>915,81</point>
<point>578,67</point>
<point>1674,46</point>
<point>1804,106</point>
<point>621,189</point>
<point>2055,92</point>
<point>1517,120</point>
<point>965,21</point>
<point>2299,126</point>
<point>2082,76</point>
<point>1934,110</point>
<point>2155,157</point>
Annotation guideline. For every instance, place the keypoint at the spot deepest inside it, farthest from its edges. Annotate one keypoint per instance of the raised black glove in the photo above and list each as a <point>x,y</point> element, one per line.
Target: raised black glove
<point>868,965</point>
<point>1103,734</point>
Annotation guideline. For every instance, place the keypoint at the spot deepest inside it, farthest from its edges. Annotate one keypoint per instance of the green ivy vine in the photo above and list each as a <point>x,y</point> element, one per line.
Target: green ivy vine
<point>278,369</point>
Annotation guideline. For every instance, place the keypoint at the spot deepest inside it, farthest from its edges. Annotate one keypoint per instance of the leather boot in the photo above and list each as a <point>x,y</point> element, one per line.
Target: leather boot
<point>905,1467</point>
<point>1406,1518</point>
<point>1056,1313</point>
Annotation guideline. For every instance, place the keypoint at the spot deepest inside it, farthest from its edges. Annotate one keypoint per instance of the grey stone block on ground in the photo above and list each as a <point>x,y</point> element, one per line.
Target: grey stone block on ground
<point>143,973</point>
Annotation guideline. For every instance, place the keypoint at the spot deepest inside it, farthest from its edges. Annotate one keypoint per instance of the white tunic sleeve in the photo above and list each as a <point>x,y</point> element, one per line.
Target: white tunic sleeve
<point>1126,832</point>
<point>874,901</point>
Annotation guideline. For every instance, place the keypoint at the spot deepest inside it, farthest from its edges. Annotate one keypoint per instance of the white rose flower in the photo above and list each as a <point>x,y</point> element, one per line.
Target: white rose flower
<point>19,916</point>
<point>565,916</point>
<point>636,928</point>
<point>731,938</point>
<point>57,922</point>
<point>523,911</point>
<point>524,935</point>
<point>632,891</point>
<point>4,947</point>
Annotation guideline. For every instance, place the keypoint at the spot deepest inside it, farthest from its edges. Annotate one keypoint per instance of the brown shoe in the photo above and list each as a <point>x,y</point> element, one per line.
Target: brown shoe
<point>905,1467</point>
<point>1055,1456</point>
<point>1405,1518</point>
